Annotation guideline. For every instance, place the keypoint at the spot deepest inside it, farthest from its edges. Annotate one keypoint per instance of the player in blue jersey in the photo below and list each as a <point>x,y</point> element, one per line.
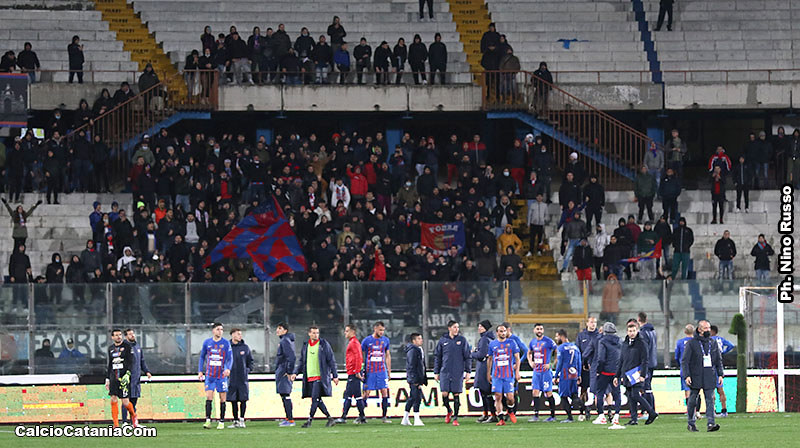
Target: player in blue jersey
<point>216,359</point>
<point>725,346</point>
<point>688,330</point>
<point>377,365</point>
<point>568,374</point>
<point>523,352</point>
<point>503,372</point>
<point>540,351</point>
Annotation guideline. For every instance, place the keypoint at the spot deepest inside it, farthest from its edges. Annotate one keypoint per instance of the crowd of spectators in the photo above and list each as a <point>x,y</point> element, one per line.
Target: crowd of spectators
<point>272,57</point>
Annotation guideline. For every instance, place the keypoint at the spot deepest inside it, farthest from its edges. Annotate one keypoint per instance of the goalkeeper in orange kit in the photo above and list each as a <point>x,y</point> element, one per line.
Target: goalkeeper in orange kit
<point>118,376</point>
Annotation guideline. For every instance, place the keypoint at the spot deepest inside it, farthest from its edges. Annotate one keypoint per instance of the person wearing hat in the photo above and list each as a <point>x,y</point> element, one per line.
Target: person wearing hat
<point>594,195</point>
<point>646,243</point>
<point>381,61</point>
<point>701,369</point>
<point>490,38</point>
<point>682,241</point>
<point>70,356</point>
<point>607,360</point>
<point>480,354</point>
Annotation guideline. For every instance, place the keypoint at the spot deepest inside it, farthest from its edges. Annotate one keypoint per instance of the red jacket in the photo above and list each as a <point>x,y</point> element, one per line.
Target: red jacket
<point>353,358</point>
<point>378,272</point>
<point>358,183</point>
<point>369,172</point>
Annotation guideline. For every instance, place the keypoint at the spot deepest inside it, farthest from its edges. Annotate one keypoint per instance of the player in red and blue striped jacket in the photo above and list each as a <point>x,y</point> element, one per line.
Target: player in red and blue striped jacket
<point>503,363</point>
<point>214,367</point>
<point>377,365</point>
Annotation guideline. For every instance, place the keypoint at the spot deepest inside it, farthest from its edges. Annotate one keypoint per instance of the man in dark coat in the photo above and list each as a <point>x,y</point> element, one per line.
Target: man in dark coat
<point>587,344</point>
<point>138,368</point>
<point>318,367</point>
<point>632,373</point>
<point>480,355</point>
<point>701,369</point>
<point>284,369</point>
<point>75,53</point>
<point>451,367</point>
<point>606,364</point>
<point>437,57</point>
<point>239,387</point>
<point>569,191</point>
<point>415,376</point>
<point>682,241</point>
<point>669,190</point>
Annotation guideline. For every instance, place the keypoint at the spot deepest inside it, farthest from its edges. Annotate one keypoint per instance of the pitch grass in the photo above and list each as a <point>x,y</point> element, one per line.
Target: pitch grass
<point>668,431</point>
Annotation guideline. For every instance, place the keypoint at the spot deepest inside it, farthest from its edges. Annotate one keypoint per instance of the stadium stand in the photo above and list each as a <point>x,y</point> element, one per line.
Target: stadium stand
<point>51,30</point>
<point>749,36</point>
<point>376,20</point>
<point>573,36</point>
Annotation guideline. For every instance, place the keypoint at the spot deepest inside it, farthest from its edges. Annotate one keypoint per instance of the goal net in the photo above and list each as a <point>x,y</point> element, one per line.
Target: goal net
<point>772,329</point>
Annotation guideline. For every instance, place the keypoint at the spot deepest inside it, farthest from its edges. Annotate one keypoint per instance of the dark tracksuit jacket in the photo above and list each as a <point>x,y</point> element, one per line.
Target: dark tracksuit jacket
<point>327,368</point>
<point>632,355</point>
<point>137,369</point>
<point>587,344</point>
<point>451,358</point>
<point>692,362</point>
<point>480,356</point>
<point>238,385</point>
<point>415,365</point>
<point>648,334</point>
<point>284,364</point>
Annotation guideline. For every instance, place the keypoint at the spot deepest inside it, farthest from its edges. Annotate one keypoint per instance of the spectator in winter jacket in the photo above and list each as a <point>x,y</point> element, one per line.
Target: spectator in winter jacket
<point>645,244</point>
<point>743,179</point>
<point>644,190</point>
<point>362,54</point>
<point>725,250</point>
<point>682,241</point>
<point>599,243</point>
<point>583,260</point>
<point>763,156</point>
<point>75,53</point>
<point>503,214</point>
<point>123,94</point>
<point>762,251</point>
<point>664,231</point>
<point>717,195</point>
<point>337,33</point>
<point>381,63</point>
<point>437,56</point>
<point>322,55</point>
<point>55,271</point>
<point>28,62</point>
<point>675,151</point>
<point>342,60</point>
<point>612,255</point>
<point>399,56</point>
<point>720,159</point>
<point>417,55</point>
<point>574,231</point>
<point>19,221</point>
<point>509,239</point>
<point>654,161</point>
<point>669,190</point>
<point>594,196</point>
<point>239,55</point>
<point>8,63</point>
<point>515,157</point>
<point>569,191</point>
<point>537,216</point>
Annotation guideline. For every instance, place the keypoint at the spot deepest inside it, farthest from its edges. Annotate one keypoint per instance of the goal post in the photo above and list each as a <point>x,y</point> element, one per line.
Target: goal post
<point>765,318</point>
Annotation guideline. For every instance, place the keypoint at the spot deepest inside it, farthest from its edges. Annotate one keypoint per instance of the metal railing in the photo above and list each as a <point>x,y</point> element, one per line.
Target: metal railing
<point>120,127</point>
<point>172,319</point>
<point>610,148</point>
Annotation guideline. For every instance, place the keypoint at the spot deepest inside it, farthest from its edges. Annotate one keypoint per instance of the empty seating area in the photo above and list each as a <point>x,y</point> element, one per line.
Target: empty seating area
<point>376,20</point>
<point>601,35</point>
<point>50,31</point>
<point>752,36</point>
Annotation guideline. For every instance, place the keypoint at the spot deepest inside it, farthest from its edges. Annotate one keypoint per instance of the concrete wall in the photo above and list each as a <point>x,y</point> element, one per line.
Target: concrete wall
<point>460,98</point>
<point>455,98</point>
<point>45,96</point>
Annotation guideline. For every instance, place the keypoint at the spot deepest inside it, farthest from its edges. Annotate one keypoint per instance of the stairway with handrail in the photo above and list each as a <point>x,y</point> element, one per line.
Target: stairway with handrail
<point>610,148</point>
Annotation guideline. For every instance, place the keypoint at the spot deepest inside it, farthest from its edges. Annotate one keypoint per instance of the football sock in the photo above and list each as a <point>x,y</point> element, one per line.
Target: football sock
<point>323,408</point>
<point>287,407</point>
<point>243,405</point>
<point>345,408</point>
<point>208,409</point>
<point>536,403</point>
<point>115,413</point>
<point>132,411</point>
<point>360,406</point>
<point>552,403</point>
<point>221,411</point>
<point>384,406</point>
<point>456,405</point>
<point>446,400</point>
<point>567,407</point>
<point>235,411</point>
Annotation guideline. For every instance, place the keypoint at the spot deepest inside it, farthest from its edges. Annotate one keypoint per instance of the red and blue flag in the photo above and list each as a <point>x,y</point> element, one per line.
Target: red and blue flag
<point>264,236</point>
<point>655,253</point>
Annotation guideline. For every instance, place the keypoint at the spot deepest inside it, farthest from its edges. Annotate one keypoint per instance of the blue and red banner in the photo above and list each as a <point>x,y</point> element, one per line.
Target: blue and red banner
<point>265,236</point>
<point>440,237</point>
<point>653,254</point>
